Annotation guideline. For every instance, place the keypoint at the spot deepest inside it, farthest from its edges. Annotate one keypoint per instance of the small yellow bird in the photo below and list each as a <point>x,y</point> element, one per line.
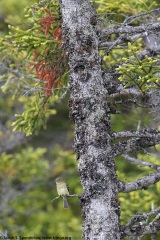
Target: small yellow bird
<point>62,190</point>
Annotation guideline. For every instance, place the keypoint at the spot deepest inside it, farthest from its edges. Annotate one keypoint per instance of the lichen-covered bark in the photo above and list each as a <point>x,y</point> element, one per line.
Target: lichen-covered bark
<point>90,111</point>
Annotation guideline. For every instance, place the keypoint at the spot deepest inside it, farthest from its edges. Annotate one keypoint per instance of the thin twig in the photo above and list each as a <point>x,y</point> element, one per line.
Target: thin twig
<point>71,195</point>
<point>139,162</point>
<point>130,19</point>
<point>55,198</point>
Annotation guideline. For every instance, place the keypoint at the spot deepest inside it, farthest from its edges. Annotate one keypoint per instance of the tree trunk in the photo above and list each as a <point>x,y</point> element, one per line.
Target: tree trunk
<point>90,111</point>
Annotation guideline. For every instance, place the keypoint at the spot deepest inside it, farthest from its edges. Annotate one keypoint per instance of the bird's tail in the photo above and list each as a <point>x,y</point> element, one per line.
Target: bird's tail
<point>65,203</point>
